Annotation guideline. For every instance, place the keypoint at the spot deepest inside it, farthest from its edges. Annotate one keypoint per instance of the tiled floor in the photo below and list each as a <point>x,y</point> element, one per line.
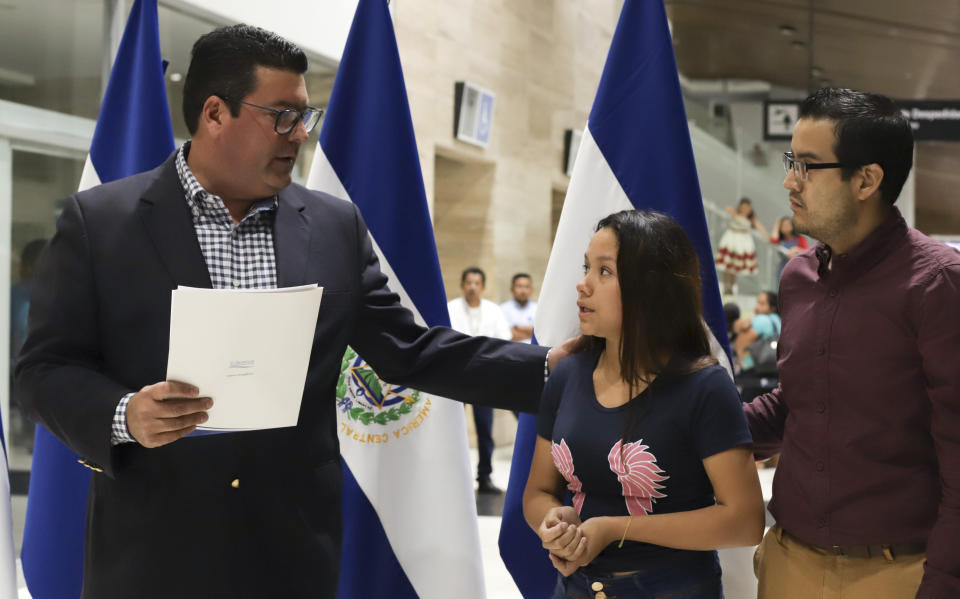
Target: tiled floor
<point>489,507</point>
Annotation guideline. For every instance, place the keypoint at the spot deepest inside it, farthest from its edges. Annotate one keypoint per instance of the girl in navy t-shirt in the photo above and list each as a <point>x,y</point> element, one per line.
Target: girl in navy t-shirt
<point>643,428</point>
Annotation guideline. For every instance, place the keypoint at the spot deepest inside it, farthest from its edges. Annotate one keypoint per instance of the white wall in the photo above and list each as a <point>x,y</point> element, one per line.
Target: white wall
<point>724,178</point>
<point>320,27</point>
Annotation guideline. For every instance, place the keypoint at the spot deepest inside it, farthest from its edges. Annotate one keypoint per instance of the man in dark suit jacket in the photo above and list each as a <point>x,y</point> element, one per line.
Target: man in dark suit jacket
<point>251,514</point>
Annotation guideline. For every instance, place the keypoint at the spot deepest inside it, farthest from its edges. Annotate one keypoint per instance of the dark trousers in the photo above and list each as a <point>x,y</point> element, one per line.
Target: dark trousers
<point>483,420</point>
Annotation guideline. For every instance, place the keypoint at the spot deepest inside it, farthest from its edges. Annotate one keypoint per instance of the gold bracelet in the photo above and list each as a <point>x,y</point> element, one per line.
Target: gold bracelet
<point>624,536</point>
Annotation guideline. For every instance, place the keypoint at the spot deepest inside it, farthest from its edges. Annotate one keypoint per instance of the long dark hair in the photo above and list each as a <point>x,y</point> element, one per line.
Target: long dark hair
<point>781,234</point>
<point>662,331</point>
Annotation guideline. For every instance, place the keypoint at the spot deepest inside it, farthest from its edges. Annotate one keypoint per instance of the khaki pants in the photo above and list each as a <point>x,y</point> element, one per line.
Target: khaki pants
<point>789,569</point>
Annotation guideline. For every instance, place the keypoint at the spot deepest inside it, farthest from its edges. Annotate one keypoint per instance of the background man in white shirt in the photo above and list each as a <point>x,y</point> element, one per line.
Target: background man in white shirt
<point>521,310</point>
<point>473,315</point>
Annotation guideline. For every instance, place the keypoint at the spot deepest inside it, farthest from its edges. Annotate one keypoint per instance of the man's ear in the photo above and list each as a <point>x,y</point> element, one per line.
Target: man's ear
<point>869,179</point>
<point>212,115</point>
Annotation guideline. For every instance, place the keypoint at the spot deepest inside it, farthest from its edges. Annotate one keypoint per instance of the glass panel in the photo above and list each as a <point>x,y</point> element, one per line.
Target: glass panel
<point>179,31</point>
<point>40,185</point>
<point>51,56</point>
<point>319,80</point>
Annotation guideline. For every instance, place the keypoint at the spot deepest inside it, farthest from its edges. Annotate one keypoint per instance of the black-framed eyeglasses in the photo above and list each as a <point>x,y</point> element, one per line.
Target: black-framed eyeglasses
<point>800,168</point>
<point>288,118</point>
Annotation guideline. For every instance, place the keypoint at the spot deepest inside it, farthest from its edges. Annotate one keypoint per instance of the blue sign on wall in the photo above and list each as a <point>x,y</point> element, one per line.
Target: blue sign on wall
<point>485,118</point>
<point>473,113</point>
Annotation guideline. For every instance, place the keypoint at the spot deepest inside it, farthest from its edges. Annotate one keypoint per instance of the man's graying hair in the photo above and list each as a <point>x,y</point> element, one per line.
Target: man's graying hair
<point>223,63</point>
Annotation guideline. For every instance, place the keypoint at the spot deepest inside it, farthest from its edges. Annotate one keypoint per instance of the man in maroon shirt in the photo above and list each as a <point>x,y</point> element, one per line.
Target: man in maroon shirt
<point>867,413</point>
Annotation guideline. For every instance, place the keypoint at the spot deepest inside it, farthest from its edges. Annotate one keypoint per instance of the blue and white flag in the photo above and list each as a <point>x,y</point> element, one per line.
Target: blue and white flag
<point>8,561</point>
<point>410,524</point>
<point>133,134</point>
<point>635,153</point>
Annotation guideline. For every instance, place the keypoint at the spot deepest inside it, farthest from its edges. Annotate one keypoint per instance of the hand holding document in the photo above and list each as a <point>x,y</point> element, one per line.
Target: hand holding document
<point>246,349</point>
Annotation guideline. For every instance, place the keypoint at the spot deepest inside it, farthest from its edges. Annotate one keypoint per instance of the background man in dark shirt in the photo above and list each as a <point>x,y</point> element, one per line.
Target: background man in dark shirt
<point>867,414</point>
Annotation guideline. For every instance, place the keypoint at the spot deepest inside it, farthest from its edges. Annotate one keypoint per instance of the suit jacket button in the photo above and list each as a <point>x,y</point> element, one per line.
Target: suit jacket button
<point>601,595</point>
<point>597,586</point>
<point>236,483</point>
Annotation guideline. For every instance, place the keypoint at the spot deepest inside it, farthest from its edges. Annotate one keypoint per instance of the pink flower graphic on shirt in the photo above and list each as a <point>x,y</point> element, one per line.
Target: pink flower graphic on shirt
<point>563,460</point>
<point>639,475</point>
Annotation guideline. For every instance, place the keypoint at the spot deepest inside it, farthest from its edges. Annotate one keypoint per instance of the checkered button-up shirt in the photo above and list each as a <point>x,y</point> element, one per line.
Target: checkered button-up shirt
<point>238,256</point>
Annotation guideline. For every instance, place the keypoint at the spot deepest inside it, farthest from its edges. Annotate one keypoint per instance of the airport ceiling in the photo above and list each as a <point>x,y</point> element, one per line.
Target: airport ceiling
<point>906,50</point>
<point>897,48</point>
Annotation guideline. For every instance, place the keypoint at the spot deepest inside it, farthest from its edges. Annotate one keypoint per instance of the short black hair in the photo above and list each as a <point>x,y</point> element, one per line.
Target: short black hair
<point>473,270</point>
<point>731,312</point>
<point>519,275</point>
<point>773,299</point>
<point>223,63</point>
<point>869,128</point>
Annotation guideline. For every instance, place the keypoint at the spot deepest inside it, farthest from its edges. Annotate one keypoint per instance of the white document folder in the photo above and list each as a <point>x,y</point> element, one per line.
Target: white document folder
<point>248,349</point>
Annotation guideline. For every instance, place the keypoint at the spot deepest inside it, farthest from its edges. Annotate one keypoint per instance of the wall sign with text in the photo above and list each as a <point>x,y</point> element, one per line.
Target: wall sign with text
<point>931,120</point>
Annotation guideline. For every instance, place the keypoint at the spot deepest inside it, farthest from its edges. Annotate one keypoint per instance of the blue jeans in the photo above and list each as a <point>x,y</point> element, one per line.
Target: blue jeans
<point>689,576</point>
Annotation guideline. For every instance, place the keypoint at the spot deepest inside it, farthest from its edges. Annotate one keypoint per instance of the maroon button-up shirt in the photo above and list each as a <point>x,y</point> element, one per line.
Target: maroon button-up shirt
<point>867,413</point>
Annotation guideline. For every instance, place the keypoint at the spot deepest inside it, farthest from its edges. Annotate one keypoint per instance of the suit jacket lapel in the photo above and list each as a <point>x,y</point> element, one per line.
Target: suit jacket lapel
<point>166,216</point>
<point>291,238</point>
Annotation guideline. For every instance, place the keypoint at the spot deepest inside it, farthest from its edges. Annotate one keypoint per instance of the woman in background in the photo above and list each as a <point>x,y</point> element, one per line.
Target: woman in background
<point>763,326</point>
<point>788,243</point>
<point>737,253</point>
<point>644,428</point>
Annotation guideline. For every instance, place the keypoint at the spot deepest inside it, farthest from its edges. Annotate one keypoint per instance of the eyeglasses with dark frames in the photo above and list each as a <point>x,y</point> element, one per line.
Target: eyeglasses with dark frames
<point>288,118</point>
<point>800,168</point>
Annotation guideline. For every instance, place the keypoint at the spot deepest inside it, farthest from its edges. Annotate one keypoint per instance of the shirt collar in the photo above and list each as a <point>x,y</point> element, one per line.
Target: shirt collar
<point>865,255</point>
<point>198,197</point>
